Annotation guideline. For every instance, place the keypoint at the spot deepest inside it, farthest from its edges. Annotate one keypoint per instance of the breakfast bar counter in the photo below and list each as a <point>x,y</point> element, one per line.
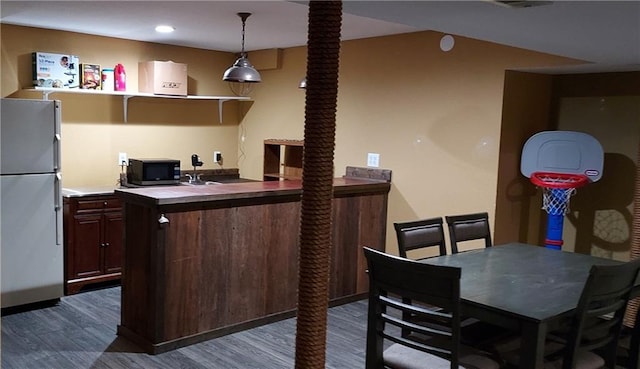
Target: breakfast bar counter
<point>186,193</point>
<point>206,260</point>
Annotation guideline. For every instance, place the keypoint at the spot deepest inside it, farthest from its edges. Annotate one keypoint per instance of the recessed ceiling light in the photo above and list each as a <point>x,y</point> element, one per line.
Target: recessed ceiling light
<point>164,29</point>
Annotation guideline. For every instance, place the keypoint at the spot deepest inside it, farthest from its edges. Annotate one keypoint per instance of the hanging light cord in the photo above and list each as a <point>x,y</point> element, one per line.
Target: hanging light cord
<point>244,17</point>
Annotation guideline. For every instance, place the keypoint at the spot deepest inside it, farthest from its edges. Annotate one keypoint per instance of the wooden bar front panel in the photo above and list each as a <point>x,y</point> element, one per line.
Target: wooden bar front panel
<point>227,266</point>
<point>214,267</point>
<point>357,221</point>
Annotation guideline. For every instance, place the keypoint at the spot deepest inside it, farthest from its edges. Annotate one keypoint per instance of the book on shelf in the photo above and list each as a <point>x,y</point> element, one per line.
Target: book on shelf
<point>90,78</point>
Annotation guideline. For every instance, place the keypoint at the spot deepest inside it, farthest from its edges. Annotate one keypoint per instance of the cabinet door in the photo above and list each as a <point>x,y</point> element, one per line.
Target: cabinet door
<point>113,250</point>
<point>86,246</point>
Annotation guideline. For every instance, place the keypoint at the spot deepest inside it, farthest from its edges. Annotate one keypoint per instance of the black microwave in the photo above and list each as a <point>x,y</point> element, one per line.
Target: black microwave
<point>149,172</point>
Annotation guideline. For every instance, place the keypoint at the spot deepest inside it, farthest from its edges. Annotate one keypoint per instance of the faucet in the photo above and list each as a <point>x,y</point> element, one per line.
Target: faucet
<point>196,162</point>
<point>195,178</point>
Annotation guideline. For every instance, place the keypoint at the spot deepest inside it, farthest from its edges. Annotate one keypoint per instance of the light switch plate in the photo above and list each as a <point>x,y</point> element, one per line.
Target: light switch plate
<point>373,160</point>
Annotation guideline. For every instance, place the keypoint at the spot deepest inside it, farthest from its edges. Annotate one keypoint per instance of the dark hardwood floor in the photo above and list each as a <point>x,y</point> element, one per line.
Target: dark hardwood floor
<point>80,333</point>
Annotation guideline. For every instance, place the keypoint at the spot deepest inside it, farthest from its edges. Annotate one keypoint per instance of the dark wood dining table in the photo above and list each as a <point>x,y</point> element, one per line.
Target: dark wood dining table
<point>526,288</point>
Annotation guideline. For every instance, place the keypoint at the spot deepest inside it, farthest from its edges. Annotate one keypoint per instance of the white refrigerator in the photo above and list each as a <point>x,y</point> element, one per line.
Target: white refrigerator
<point>31,246</point>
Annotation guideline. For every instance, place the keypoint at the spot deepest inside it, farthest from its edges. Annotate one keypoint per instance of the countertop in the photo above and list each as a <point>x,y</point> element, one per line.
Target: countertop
<point>184,194</point>
<point>88,191</point>
<point>109,190</point>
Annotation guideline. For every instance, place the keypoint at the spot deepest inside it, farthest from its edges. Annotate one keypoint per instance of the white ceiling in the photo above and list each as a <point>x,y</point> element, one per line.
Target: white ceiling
<point>605,34</point>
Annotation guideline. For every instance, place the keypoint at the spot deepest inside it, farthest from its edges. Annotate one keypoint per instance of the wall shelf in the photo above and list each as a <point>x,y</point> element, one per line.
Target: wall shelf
<point>126,95</point>
<point>282,159</point>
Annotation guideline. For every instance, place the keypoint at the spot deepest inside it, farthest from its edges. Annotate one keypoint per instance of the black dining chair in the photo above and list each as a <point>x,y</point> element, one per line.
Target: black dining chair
<point>420,235</point>
<point>591,340</point>
<point>629,346</point>
<point>429,233</point>
<point>467,227</point>
<point>391,279</point>
<point>634,347</point>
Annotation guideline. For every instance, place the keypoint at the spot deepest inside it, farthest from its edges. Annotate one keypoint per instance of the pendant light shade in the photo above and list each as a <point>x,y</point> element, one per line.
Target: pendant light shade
<point>303,83</point>
<point>242,71</point>
<point>242,75</point>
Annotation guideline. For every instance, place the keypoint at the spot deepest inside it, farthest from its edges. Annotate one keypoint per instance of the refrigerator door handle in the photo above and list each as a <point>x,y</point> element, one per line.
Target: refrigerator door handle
<point>58,207</point>
<point>57,155</point>
<point>56,151</point>
<point>57,164</point>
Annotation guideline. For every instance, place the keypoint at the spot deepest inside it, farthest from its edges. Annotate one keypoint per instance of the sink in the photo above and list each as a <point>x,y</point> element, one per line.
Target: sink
<point>201,183</point>
<point>217,180</point>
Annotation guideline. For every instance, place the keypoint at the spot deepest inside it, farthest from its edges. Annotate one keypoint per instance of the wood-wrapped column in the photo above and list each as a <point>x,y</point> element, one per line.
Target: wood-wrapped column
<point>323,49</point>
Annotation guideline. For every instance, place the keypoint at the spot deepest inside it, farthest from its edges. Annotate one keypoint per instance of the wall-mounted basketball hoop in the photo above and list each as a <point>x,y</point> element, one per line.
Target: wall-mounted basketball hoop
<point>560,162</point>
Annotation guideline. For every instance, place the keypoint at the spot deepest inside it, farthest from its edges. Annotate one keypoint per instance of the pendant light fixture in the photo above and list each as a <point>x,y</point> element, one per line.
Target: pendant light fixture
<point>242,76</point>
<point>303,83</point>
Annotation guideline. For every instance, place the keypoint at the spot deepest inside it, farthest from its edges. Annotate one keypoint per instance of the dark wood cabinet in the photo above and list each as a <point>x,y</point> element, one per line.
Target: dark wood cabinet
<point>92,240</point>
<point>282,159</point>
<point>207,261</point>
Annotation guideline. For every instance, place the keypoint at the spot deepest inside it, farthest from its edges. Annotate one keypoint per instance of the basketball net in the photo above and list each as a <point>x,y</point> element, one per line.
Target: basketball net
<point>557,190</point>
<point>555,201</point>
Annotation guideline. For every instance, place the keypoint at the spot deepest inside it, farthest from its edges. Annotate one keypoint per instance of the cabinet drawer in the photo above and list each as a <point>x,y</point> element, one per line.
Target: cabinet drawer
<point>97,203</point>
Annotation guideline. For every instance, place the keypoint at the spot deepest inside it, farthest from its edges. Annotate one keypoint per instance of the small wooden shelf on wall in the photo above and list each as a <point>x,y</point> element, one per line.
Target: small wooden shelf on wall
<point>282,159</point>
<point>126,95</point>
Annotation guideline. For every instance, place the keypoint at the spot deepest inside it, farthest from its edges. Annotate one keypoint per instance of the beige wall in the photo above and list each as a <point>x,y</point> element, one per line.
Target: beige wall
<point>526,111</point>
<point>602,212</point>
<point>93,129</point>
<point>604,105</point>
<point>434,117</point>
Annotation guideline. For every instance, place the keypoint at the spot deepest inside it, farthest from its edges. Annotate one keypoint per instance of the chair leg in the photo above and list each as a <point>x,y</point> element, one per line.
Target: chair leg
<point>634,352</point>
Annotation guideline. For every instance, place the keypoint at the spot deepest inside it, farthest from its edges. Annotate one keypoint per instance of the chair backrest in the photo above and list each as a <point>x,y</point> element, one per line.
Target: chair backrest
<point>600,313</point>
<point>468,227</point>
<point>392,279</point>
<point>420,234</point>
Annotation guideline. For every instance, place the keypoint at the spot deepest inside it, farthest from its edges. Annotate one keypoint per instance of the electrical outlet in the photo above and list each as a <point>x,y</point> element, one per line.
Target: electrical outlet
<point>373,160</point>
<point>122,158</point>
<point>217,157</point>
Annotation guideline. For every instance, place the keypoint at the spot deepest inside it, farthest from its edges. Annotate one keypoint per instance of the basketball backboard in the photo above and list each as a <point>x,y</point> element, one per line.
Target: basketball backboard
<point>567,152</point>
